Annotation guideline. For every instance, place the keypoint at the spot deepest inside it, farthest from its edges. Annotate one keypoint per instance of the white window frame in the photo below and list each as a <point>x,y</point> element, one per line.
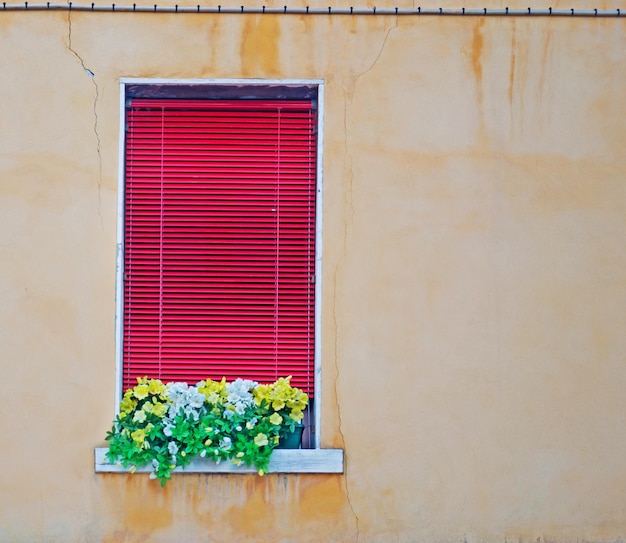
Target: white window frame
<point>314,460</point>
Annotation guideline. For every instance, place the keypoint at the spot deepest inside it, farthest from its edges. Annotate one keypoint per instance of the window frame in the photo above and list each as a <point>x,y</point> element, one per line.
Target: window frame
<point>264,86</point>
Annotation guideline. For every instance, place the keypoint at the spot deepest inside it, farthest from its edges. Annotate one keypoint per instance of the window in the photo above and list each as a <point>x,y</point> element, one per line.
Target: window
<point>219,233</point>
<point>218,243</point>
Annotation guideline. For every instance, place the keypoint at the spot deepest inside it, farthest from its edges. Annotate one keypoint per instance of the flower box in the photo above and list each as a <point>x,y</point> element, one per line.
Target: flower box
<point>164,427</point>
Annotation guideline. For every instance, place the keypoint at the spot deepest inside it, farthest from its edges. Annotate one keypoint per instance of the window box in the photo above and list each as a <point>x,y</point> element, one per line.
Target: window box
<point>282,461</point>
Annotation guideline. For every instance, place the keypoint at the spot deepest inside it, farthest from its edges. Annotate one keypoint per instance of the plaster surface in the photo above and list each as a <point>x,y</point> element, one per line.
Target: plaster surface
<point>474,212</point>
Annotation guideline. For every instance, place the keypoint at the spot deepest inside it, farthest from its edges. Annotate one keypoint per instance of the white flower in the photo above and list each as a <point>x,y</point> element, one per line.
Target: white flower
<point>239,394</point>
<point>172,448</point>
<point>191,412</point>
<point>155,467</point>
<point>226,443</point>
<point>176,391</point>
<point>195,398</point>
<point>185,398</point>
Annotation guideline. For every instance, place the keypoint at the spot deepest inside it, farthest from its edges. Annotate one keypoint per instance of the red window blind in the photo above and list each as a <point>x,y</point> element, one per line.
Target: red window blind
<point>219,254</point>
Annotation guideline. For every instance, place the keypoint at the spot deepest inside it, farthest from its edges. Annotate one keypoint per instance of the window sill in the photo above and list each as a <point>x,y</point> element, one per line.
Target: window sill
<point>281,461</point>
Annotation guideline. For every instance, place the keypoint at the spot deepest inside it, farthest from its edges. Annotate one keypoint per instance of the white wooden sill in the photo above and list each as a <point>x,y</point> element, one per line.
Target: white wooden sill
<point>281,461</point>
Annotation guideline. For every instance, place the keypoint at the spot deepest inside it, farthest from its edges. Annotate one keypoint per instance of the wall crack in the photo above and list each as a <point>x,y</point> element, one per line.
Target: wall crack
<point>380,52</point>
<point>343,437</point>
<point>91,76</point>
<point>349,222</point>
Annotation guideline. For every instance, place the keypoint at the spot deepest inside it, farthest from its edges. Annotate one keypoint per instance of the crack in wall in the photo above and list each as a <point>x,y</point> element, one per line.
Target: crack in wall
<point>92,76</point>
<point>348,224</point>
<point>349,211</point>
<point>343,437</point>
<point>380,52</point>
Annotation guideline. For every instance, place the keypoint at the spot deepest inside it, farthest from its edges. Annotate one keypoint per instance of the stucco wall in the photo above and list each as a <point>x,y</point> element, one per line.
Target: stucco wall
<point>474,284</point>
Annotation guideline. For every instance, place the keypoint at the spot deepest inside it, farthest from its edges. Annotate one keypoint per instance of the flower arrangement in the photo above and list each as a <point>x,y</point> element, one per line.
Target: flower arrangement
<point>166,425</point>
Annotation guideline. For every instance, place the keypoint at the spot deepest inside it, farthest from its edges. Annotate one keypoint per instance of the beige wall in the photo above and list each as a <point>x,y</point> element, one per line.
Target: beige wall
<point>474,285</point>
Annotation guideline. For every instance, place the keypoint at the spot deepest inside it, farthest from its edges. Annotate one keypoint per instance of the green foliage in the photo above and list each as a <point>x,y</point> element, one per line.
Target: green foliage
<point>165,426</point>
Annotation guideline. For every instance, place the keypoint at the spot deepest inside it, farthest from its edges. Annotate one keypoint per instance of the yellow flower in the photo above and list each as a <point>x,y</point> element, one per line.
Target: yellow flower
<point>127,404</point>
<point>155,386</point>
<point>260,440</point>
<point>141,391</point>
<point>277,405</point>
<point>296,415</point>
<point>214,391</point>
<point>159,409</point>
<point>261,392</point>
<point>261,472</point>
<point>139,436</point>
<point>299,400</point>
<point>276,419</point>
